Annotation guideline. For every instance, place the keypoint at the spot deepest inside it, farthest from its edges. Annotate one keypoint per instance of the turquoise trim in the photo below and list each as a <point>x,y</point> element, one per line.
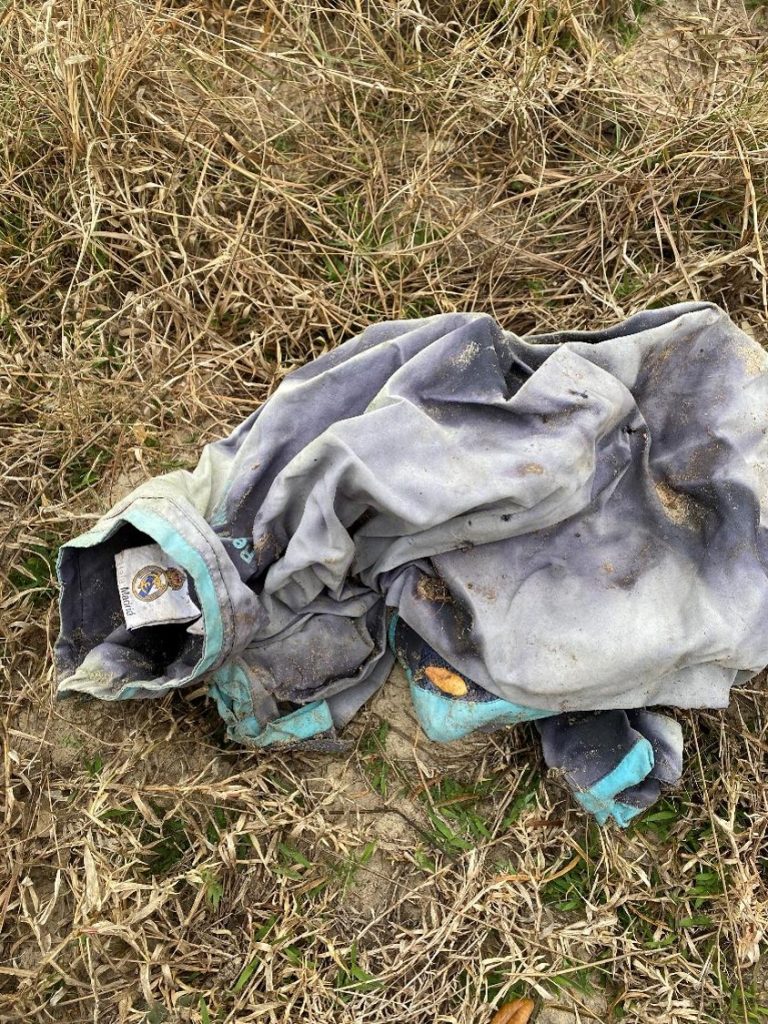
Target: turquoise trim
<point>452,718</point>
<point>299,725</point>
<point>189,558</point>
<point>621,812</point>
<point>624,813</point>
<point>231,689</point>
<point>599,799</point>
<point>449,718</point>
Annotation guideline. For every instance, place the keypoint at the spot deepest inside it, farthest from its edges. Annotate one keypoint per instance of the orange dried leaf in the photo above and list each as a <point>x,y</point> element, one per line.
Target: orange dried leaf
<point>517,1012</point>
<point>445,680</point>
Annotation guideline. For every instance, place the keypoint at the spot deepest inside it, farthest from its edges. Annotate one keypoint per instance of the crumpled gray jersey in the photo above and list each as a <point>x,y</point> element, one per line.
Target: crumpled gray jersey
<point>572,522</point>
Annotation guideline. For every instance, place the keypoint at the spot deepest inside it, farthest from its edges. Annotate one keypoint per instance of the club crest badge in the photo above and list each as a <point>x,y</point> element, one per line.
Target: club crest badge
<point>151,582</point>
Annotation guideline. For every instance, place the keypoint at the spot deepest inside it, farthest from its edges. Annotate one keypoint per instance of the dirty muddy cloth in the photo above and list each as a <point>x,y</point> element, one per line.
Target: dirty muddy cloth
<point>566,529</point>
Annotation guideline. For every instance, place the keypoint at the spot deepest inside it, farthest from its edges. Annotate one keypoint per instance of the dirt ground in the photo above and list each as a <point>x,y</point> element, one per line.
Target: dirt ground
<point>196,198</point>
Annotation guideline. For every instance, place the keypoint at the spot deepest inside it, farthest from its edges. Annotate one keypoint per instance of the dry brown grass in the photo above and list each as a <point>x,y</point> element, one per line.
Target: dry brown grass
<point>196,197</point>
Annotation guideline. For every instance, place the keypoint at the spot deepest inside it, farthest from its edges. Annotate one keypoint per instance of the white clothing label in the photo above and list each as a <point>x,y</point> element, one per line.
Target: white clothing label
<point>154,590</point>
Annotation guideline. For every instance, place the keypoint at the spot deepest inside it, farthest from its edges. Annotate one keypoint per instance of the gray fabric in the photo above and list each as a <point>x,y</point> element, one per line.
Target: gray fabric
<point>587,510</point>
<point>666,737</point>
